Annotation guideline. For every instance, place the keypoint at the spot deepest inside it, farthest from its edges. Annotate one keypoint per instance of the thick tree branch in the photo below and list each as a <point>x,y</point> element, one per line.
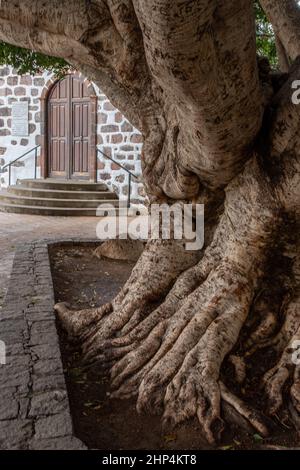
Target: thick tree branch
<point>284,138</point>
<point>285,18</point>
<point>86,34</point>
<point>283,59</point>
<point>44,42</point>
<point>203,55</point>
<point>184,73</point>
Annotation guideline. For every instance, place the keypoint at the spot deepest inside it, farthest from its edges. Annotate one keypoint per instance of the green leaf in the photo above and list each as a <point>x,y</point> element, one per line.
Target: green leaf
<point>265,38</point>
<point>28,61</point>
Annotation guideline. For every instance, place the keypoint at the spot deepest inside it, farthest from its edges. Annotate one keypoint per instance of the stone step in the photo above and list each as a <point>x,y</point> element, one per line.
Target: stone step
<point>9,198</point>
<point>62,185</point>
<point>58,198</point>
<point>20,190</point>
<point>53,211</point>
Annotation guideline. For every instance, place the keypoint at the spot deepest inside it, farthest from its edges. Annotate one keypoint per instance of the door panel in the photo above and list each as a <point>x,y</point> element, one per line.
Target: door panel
<point>63,88</point>
<point>58,154</point>
<point>81,125</point>
<point>69,129</point>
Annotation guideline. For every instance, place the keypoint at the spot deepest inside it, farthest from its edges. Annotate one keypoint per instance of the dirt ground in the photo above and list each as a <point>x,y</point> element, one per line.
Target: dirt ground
<point>101,423</point>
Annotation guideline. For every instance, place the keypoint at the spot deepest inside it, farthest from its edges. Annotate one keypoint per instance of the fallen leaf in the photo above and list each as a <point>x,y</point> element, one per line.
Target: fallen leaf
<point>228,447</point>
<point>98,407</point>
<point>170,437</point>
<point>257,437</point>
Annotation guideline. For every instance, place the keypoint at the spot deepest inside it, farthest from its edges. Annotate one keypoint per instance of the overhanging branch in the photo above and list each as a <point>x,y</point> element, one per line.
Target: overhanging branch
<point>99,38</point>
<point>285,18</point>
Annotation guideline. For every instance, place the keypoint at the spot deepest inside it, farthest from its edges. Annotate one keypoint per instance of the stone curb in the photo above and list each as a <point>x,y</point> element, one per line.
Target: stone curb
<point>34,408</point>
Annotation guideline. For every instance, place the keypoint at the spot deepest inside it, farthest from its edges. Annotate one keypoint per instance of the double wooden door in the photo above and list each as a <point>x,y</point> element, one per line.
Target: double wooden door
<point>69,129</point>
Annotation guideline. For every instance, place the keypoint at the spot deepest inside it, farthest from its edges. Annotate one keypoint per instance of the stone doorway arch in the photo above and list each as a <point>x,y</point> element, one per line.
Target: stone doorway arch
<point>69,129</point>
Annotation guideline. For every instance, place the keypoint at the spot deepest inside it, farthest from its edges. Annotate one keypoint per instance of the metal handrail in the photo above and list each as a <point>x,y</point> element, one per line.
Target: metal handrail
<point>130,174</point>
<point>10,164</point>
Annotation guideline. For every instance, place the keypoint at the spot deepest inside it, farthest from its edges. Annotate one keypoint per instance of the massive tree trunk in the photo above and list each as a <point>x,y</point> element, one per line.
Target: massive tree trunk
<point>218,129</point>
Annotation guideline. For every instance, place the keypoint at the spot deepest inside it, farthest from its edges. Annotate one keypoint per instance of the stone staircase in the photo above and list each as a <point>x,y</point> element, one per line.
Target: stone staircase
<point>56,198</point>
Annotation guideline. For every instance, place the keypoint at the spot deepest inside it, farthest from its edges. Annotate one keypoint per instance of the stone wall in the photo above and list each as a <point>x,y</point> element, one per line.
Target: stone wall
<point>15,88</point>
<point>116,137</point>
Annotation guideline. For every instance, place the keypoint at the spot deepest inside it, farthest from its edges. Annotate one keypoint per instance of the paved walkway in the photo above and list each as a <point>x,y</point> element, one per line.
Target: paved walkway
<point>34,409</point>
<point>15,229</point>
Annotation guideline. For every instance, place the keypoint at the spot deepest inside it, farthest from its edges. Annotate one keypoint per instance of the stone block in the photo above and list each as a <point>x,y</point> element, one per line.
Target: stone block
<point>39,81</point>
<point>26,80</point>
<point>105,176</point>
<point>108,106</point>
<point>46,351</point>
<point>136,139</point>
<point>109,128</point>
<point>127,148</point>
<point>12,80</point>
<point>44,367</point>
<point>5,111</point>
<point>116,138</point>
<point>102,118</point>
<point>20,91</point>
<point>126,127</point>
<point>32,128</point>
<point>119,117</point>
<point>15,433</point>
<point>60,443</point>
<point>4,71</point>
<point>53,426</point>
<point>50,382</point>
<point>48,403</point>
<point>5,91</point>
<point>9,407</point>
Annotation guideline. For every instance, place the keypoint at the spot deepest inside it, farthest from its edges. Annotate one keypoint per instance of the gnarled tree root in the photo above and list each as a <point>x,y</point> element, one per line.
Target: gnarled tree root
<point>167,334</point>
<point>287,368</point>
<point>146,284</point>
<point>171,359</point>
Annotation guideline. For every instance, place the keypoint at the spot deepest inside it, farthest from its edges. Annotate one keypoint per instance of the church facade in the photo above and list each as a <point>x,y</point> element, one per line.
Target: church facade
<point>68,120</point>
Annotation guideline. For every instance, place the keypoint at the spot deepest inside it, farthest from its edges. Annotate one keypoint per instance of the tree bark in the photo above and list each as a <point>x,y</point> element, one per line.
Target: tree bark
<point>186,74</point>
<point>283,59</point>
<point>285,18</point>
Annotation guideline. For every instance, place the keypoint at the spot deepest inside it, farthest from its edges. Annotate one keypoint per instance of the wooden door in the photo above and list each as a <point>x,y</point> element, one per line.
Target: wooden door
<point>58,130</point>
<point>69,129</point>
<point>80,129</point>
